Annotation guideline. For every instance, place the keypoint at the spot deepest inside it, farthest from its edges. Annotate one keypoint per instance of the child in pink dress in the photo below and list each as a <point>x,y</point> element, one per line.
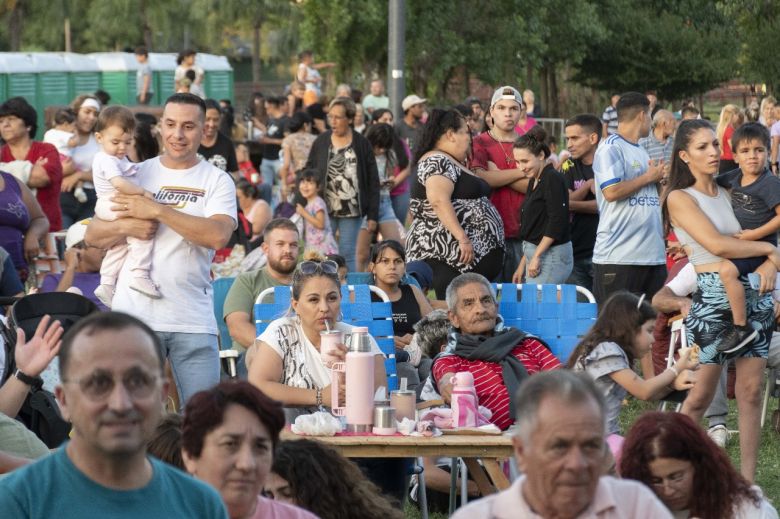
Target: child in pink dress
<point>317,230</point>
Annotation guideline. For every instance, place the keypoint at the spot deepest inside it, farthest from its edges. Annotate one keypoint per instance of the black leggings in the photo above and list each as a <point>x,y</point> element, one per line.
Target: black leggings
<point>443,274</point>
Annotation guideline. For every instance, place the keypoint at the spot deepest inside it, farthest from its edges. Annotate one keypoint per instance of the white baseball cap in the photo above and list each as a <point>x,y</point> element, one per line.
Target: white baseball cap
<point>76,233</point>
<point>506,92</point>
<point>410,101</point>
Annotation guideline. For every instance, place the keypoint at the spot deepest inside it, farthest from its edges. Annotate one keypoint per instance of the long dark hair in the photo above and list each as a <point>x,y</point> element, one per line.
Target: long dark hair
<point>717,487</point>
<point>680,176</point>
<point>328,484</point>
<point>438,123</point>
<point>619,321</point>
<point>535,141</point>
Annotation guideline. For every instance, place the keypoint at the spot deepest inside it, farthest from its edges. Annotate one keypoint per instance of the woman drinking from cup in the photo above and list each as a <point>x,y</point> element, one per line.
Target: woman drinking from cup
<point>290,359</point>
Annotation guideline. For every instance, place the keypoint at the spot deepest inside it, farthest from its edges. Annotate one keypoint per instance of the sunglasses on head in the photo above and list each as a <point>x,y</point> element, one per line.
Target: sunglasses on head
<point>313,267</point>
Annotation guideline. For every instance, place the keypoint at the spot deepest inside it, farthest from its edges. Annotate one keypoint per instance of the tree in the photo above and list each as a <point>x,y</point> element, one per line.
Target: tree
<point>678,49</point>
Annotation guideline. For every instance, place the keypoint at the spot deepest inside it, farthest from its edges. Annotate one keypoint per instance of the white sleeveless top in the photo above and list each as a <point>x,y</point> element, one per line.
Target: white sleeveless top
<point>718,209</point>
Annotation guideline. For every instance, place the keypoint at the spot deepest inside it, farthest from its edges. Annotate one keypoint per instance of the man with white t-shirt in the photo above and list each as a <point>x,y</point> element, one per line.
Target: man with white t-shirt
<point>194,213</point>
<point>629,252</point>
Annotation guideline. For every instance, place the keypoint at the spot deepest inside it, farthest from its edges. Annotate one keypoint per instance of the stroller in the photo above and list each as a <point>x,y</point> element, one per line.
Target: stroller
<point>40,412</point>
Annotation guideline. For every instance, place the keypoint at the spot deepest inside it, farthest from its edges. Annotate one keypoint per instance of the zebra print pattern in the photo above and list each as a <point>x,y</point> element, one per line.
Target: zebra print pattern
<point>427,237</point>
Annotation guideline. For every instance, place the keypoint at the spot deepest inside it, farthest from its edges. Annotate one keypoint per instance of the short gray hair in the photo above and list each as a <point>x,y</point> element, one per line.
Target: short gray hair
<point>568,386</point>
<point>451,295</point>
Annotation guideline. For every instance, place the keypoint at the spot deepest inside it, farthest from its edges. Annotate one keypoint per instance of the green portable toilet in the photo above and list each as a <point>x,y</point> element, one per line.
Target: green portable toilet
<point>117,75</point>
<point>83,76</point>
<point>51,84</point>
<point>163,67</point>
<point>218,80</point>
<point>20,77</point>
<point>3,79</point>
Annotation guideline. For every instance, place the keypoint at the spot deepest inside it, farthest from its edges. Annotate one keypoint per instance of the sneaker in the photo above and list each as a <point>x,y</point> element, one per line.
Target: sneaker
<point>105,294</point>
<point>736,338</point>
<point>146,287</point>
<point>719,434</point>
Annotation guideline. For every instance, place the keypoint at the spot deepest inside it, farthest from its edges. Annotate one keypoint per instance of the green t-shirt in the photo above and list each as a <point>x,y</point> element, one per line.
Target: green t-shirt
<point>54,487</point>
<point>242,295</point>
<point>18,440</point>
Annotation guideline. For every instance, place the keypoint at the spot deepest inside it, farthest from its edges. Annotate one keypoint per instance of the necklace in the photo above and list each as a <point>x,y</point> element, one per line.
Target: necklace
<point>510,161</point>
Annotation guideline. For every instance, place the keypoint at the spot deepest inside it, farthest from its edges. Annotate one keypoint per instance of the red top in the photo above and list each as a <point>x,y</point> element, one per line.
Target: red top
<point>507,201</point>
<point>488,380</point>
<point>725,146</point>
<point>49,196</point>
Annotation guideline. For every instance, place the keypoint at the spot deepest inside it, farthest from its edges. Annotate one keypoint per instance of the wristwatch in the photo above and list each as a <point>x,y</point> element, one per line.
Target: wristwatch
<point>27,379</point>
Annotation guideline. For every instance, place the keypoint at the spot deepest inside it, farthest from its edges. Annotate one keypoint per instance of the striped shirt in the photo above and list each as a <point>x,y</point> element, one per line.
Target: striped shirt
<point>658,150</point>
<point>488,381</point>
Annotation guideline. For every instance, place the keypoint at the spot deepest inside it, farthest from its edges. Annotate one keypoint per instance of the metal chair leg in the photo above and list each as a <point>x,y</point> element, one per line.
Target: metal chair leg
<point>453,483</point>
<point>422,496</point>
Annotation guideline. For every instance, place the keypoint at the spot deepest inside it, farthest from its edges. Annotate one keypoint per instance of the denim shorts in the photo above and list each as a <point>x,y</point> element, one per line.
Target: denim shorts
<point>556,263</point>
<point>386,213</point>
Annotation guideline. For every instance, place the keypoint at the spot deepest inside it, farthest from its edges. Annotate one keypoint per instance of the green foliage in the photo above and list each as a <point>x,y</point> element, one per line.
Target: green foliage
<point>660,46</point>
<point>351,33</point>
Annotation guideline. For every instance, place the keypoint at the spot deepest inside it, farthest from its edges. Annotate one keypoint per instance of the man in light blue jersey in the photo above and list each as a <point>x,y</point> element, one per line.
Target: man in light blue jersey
<point>629,252</point>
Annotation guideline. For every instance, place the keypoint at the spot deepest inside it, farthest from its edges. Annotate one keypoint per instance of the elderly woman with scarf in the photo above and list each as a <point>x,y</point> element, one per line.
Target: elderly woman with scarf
<point>499,357</point>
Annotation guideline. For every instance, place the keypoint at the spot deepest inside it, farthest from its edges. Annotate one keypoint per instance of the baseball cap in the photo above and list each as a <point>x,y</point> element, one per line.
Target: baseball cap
<point>76,233</point>
<point>410,101</point>
<point>506,92</point>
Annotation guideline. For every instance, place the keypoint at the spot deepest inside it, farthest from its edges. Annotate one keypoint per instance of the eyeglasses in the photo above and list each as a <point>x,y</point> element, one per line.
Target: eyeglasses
<point>99,385</point>
<point>673,480</point>
<point>313,267</point>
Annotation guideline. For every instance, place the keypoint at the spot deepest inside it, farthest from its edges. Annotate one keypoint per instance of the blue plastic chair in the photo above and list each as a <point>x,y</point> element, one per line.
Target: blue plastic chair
<point>552,312</point>
<point>358,310</point>
<point>221,287</point>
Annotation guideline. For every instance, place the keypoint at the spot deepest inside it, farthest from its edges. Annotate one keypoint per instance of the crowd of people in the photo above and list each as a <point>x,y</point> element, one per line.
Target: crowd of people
<point>657,213</point>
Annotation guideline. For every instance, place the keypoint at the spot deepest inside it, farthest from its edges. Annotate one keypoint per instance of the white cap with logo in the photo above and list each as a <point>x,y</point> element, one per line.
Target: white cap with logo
<point>506,92</point>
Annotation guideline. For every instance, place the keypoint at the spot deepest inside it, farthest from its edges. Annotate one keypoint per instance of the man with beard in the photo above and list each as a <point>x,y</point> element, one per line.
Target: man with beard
<point>499,357</point>
<point>494,162</point>
<point>280,244</point>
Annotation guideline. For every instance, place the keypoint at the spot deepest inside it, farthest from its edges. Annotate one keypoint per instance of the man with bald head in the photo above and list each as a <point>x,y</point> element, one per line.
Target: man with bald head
<point>661,139</point>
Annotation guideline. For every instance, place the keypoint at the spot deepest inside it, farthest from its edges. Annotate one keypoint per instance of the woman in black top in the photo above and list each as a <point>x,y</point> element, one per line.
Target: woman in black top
<point>544,215</point>
<point>388,265</point>
<point>455,228</point>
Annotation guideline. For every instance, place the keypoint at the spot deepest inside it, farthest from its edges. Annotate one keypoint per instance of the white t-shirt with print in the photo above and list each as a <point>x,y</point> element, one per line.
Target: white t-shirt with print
<point>302,364</point>
<point>180,268</point>
<point>83,156</point>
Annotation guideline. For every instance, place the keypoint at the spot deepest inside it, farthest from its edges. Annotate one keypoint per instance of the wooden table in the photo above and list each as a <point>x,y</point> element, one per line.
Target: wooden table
<point>487,448</point>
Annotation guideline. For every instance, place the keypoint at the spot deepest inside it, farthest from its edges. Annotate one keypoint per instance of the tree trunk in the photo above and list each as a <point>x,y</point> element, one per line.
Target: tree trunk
<point>145,27</point>
<point>15,22</point>
<point>544,90</point>
<point>529,75</point>
<point>256,53</point>
<point>555,108</point>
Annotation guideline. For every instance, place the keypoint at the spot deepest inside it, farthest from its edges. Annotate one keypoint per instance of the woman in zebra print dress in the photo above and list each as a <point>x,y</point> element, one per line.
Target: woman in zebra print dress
<point>455,227</point>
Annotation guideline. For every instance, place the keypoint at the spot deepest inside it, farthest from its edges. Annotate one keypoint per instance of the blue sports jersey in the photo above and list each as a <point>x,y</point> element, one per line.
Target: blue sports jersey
<point>630,231</point>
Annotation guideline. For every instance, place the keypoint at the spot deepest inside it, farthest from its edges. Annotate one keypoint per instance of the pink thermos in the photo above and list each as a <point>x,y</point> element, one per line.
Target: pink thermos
<point>359,374</point>
<point>464,404</point>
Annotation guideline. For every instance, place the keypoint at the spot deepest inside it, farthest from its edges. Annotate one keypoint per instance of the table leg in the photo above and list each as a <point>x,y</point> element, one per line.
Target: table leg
<point>478,475</point>
<point>496,474</point>
<point>454,470</point>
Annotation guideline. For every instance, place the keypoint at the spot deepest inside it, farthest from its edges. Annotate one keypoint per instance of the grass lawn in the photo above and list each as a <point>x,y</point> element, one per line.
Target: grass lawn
<point>768,456</point>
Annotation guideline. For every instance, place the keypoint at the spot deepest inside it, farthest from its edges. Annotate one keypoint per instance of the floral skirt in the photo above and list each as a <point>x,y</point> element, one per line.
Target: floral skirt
<point>710,317</point>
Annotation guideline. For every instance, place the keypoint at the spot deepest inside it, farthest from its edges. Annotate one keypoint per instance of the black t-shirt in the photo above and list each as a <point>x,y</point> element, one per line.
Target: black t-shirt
<point>221,155</point>
<point>275,130</point>
<point>406,311</point>
<point>545,210</point>
<point>754,204</point>
<point>583,225</point>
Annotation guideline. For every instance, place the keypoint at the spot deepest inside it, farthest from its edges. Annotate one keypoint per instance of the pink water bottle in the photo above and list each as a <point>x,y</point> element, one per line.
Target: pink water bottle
<point>359,374</point>
<point>464,403</point>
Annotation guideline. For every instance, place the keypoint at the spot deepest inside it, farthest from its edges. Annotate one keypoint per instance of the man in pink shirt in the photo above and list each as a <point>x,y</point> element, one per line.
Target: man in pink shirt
<point>560,448</point>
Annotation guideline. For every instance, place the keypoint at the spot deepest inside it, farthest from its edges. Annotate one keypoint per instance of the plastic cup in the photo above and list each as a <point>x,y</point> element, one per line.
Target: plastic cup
<point>330,341</point>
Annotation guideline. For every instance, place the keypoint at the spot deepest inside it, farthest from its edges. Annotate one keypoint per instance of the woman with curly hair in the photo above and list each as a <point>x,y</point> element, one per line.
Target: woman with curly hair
<point>311,475</point>
<point>693,477</point>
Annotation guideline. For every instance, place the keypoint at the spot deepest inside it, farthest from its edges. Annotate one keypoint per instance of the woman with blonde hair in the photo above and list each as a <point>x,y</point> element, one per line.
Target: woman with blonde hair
<point>729,116</point>
<point>766,117</point>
